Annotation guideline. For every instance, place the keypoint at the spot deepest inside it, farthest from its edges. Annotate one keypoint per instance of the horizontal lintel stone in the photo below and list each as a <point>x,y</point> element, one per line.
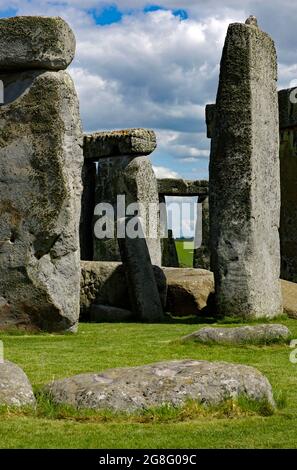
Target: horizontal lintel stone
<point>181,187</point>
<point>127,142</point>
<point>35,42</point>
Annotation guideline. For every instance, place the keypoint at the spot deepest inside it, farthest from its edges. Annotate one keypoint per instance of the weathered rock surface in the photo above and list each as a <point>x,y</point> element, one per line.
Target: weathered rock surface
<point>142,286</point>
<point>40,191</point>
<point>255,334</point>
<point>133,178</point>
<point>15,388</point>
<point>289,291</point>
<point>105,283</point>
<point>244,185</point>
<point>106,313</point>
<point>180,187</point>
<point>35,42</point>
<point>174,382</point>
<point>189,291</point>
<point>128,142</point>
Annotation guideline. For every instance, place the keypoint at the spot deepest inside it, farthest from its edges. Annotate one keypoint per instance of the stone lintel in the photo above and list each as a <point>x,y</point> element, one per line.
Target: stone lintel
<point>181,187</point>
<point>127,142</point>
<point>35,42</point>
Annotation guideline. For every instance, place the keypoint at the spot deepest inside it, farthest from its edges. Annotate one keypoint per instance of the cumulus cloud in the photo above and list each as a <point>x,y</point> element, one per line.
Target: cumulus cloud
<point>163,172</point>
<point>154,70</point>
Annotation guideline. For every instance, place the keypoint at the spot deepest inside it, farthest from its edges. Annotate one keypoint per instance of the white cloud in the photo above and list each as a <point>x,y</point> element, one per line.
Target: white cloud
<point>162,172</point>
<point>153,70</point>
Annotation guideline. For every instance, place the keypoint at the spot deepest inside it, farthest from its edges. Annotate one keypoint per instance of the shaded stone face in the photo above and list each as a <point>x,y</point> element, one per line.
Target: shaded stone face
<point>134,178</point>
<point>244,182</point>
<point>105,283</point>
<point>35,42</point>
<point>142,286</point>
<point>288,167</point>
<point>40,191</point>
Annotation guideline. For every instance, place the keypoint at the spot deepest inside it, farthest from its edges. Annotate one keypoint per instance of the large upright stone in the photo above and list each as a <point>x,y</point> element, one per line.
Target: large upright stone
<point>35,42</point>
<point>131,175</point>
<point>288,167</point>
<point>40,191</point>
<point>201,256</point>
<point>244,178</point>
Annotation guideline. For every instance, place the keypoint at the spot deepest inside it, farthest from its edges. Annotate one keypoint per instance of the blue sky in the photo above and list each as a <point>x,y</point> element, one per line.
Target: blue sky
<point>140,64</point>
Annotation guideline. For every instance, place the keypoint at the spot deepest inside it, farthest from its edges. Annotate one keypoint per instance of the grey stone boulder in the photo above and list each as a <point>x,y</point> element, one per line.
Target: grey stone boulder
<point>255,334</point>
<point>127,142</point>
<point>173,382</point>
<point>15,388</point>
<point>106,313</point>
<point>35,42</point>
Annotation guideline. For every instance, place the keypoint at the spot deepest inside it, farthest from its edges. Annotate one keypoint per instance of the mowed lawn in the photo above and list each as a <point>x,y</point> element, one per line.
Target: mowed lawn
<point>185,252</point>
<point>100,346</point>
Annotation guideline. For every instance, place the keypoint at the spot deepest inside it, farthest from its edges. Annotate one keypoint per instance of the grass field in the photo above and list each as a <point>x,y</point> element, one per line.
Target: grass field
<point>185,251</point>
<point>100,346</point>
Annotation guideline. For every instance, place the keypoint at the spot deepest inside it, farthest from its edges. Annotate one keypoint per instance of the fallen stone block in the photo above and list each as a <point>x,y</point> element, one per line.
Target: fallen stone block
<point>106,313</point>
<point>15,388</point>
<point>35,42</point>
<point>174,382</point>
<point>190,291</point>
<point>289,292</point>
<point>255,334</point>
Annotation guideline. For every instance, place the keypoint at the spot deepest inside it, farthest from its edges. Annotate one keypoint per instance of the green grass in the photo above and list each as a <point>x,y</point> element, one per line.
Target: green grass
<point>99,346</point>
<point>185,252</point>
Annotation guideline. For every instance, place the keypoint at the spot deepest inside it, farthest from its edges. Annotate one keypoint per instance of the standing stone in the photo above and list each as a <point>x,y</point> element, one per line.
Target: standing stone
<point>87,210</point>
<point>142,286</point>
<point>244,178</point>
<point>288,172</point>
<point>40,192</point>
<point>201,257</point>
<point>123,169</point>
